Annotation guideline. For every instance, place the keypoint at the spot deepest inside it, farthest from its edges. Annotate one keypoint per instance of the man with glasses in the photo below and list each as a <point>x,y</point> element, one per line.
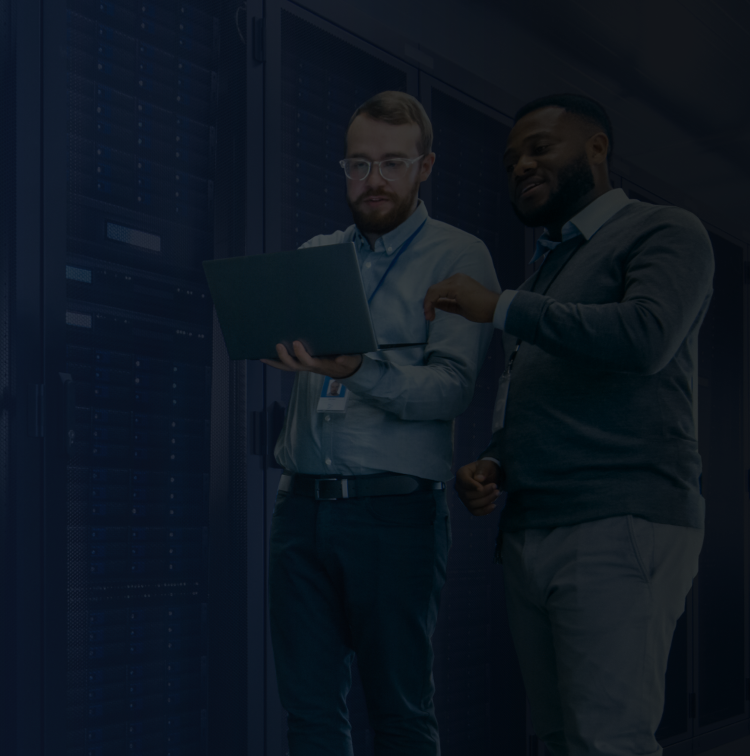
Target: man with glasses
<point>361,529</point>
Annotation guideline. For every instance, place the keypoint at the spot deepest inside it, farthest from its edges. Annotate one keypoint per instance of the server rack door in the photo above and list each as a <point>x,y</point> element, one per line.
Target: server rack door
<point>7,295</point>
<point>316,75</point>
<point>721,584</point>
<point>130,125</point>
<point>479,692</point>
<point>21,380</point>
<point>234,651</point>
<point>257,641</point>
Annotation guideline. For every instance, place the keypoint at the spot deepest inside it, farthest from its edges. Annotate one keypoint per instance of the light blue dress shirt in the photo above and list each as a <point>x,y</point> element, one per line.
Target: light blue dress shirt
<point>587,222</point>
<point>402,402</point>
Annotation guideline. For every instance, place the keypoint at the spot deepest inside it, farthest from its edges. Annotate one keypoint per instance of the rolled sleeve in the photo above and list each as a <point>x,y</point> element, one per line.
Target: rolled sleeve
<point>442,387</point>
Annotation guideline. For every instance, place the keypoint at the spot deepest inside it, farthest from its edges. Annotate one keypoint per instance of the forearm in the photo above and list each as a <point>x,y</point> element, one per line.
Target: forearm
<point>665,285</point>
<point>437,391</point>
<point>633,337</point>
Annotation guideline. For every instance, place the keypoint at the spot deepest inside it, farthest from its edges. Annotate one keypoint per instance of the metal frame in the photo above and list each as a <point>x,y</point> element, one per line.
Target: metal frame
<point>26,366</point>
<point>54,241</point>
<point>257,624</point>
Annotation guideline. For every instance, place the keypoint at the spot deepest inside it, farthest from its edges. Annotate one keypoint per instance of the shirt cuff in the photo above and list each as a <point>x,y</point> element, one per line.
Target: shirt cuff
<point>492,459</point>
<point>369,373</point>
<point>501,310</point>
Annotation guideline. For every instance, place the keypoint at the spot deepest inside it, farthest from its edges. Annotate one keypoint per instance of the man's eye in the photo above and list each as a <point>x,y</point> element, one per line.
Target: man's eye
<point>541,147</point>
<point>358,164</point>
<point>391,163</point>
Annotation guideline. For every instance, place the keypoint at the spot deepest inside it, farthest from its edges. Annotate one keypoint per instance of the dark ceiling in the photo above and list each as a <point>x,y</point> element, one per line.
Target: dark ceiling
<point>673,75</point>
<point>677,74</point>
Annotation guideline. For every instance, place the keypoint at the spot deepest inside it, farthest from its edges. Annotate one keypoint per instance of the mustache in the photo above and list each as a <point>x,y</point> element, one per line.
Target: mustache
<point>367,196</point>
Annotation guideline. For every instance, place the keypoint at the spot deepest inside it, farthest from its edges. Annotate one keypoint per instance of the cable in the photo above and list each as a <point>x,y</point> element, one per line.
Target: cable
<point>237,20</point>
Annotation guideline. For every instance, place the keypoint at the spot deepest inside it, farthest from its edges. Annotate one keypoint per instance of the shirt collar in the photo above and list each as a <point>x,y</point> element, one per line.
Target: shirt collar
<point>390,242</point>
<point>587,222</point>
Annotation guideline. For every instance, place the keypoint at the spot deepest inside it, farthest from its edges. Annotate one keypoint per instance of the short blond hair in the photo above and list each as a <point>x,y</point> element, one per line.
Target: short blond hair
<point>398,108</point>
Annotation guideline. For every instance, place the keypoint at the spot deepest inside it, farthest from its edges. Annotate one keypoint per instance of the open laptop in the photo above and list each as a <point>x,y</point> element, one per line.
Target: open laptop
<point>313,295</point>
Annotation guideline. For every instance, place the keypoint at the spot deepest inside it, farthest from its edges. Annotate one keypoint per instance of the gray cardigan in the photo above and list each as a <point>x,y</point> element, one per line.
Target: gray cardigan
<point>601,413</point>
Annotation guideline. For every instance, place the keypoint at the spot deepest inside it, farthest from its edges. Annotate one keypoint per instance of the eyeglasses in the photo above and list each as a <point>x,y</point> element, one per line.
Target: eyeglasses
<point>392,169</point>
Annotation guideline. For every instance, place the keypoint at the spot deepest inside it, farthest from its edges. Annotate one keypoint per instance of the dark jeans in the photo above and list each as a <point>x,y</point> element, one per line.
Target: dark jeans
<point>357,576</point>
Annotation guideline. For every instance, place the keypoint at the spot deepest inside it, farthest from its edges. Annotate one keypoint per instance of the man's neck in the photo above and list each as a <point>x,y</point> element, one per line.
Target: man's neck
<point>555,229</point>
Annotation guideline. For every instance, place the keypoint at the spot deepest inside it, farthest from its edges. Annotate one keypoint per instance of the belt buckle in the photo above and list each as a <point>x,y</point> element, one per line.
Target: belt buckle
<point>317,489</point>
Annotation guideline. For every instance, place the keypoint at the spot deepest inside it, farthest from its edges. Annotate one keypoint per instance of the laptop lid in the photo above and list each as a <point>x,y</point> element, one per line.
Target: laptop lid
<point>313,295</point>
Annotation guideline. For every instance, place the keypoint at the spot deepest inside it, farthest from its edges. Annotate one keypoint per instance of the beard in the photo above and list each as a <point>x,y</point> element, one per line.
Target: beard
<point>374,221</point>
<point>574,182</point>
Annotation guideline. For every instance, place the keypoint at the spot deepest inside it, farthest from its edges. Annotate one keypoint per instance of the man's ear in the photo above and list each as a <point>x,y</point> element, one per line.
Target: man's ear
<point>426,166</point>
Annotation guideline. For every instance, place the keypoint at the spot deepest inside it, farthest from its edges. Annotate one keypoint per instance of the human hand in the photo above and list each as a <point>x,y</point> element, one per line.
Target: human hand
<point>341,366</point>
<point>478,486</point>
<point>463,296</point>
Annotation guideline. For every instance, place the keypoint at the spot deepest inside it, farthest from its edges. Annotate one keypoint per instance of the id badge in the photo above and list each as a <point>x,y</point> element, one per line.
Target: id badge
<point>498,417</point>
<point>333,397</point>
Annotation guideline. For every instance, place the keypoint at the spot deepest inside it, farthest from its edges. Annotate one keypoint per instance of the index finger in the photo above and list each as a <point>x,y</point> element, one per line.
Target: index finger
<point>435,292</point>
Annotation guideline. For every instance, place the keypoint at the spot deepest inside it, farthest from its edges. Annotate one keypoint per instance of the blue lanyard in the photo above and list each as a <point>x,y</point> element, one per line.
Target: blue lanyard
<point>396,256</point>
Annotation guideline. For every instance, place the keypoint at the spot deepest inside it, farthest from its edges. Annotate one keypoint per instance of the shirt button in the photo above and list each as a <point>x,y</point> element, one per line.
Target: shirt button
<point>328,417</point>
<point>328,461</point>
<point>389,248</point>
<point>368,265</point>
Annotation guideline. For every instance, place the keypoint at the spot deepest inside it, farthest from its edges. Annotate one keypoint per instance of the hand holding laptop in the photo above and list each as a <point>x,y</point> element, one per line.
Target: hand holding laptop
<point>341,366</point>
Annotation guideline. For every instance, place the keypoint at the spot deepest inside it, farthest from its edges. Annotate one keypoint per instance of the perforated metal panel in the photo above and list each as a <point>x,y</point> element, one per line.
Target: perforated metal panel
<point>141,126</point>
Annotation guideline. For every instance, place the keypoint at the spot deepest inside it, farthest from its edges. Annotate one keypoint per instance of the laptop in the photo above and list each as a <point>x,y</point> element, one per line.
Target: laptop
<point>313,295</point>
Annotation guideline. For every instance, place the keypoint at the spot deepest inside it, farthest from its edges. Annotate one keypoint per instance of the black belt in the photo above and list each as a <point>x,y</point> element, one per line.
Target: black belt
<point>331,487</point>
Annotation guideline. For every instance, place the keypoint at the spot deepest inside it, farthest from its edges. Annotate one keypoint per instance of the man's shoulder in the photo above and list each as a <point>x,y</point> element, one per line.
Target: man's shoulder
<point>453,233</point>
<point>638,215</point>
<point>454,246</point>
<point>642,226</point>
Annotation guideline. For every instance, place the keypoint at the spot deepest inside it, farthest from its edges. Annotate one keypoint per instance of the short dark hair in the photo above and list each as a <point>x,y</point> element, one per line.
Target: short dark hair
<point>584,107</point>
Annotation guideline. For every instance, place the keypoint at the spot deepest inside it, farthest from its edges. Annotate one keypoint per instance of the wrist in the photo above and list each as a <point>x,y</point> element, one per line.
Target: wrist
<point>359,365</point>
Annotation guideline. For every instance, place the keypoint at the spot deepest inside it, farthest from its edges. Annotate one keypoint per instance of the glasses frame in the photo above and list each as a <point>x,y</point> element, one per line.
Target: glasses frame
<point>409,162</point>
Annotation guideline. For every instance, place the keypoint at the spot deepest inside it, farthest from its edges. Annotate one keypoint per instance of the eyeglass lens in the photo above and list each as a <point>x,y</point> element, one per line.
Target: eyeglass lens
<point>390,170</point>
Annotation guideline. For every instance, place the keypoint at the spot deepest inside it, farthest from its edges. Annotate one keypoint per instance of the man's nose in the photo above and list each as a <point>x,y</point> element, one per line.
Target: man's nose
<point>374,179</point>
<point>524,164</point>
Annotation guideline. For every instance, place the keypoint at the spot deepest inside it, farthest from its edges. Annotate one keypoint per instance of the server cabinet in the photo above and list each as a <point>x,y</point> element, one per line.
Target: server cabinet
<point>315,76</point>
<point>479,692</point>
<point>721,587</point>
<point>19,368</point>
<point>142,449</point>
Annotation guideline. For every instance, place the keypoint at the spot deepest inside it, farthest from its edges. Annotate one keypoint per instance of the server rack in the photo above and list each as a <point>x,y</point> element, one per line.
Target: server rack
<point>9,649</point>
<point>130,118</point>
